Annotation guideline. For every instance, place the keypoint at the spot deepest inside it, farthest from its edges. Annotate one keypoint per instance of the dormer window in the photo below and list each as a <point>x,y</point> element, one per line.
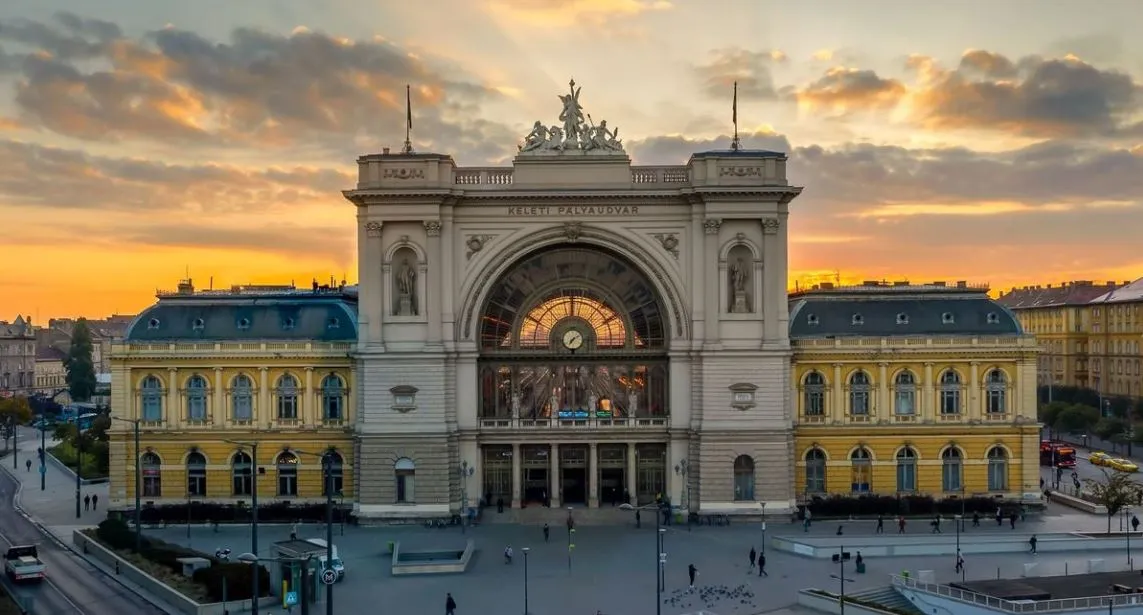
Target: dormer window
<point>857,319</point>
<point>333,323</point>
<point>198,324</point>
<point>947,318</point>
<point>993,318</point>
<point>153,323</point>
<point>812,319</point>
<point>288,324</point>
<point>243,324</point>
<point>902,318</point>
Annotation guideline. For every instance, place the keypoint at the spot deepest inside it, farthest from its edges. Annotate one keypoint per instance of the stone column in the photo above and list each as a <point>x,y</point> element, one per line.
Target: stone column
<point>434,287</point>
<point>309,417</point>
<point>592,475</point>
<point>773,280</point>
<point>516,476</point>
<point>554,484</point>
<point>837,395</point>
<point>631,472</point>
<point>883,409</point>
<point>263,414</point>
<point>695,254</point>
<point>928,408</point>
<point>445,275</point>
<point>712,282</point>
<point>973,402</point>
<point>174,416</point>
<point>218,403</point>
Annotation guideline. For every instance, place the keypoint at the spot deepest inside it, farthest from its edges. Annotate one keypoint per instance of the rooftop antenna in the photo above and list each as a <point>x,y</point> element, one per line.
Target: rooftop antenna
<point>408,148</point>
<point>736,143</point>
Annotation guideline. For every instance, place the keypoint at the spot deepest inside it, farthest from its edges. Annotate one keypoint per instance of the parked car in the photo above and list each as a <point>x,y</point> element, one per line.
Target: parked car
<point>1123,465</point>
<point>1098,458</point>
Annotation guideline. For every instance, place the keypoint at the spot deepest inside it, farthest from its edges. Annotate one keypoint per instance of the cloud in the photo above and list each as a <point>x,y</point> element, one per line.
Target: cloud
<point>1033,97</point>
<point>843,90</point>
<point>308,241</point>
<point>560,13</point>
<point>751,69</point>
<point>677,149</point>
<point>85,79</point>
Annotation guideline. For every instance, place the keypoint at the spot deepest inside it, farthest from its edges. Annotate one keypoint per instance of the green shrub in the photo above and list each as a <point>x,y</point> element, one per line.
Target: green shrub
<point>94,462</point>
<point>115,533</point>
<point>237,578</point>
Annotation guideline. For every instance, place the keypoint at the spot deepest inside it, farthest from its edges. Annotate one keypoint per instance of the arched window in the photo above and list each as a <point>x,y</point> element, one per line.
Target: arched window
<point>332,399</point>
<point>951,470</point>
<point>242,474</point>
<point>859,394</point>
<point>815,471</point>
<point>743,479</point>
<point>906,470</point>
<point>905,394</point>
<point>196,475</point>
<point>814,394</point>
<point>996,389</point>
<point>333,467</point>
<point>151,392</point>
<point>997,469</point>
<point>405,471</point>
<point>287,464</point>
<point>861,471</point>
<point>242,399</point>
<point>950,392</point>
<point>196,399</point>
<point>152,468</point>
<point>287,392</point>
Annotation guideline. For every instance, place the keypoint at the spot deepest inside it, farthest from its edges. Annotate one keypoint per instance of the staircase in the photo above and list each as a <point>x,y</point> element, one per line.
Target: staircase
<point>558,517</point>
<point>886,597</point>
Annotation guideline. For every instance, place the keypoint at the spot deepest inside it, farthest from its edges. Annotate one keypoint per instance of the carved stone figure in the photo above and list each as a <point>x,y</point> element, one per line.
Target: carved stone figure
<point>516,405</point>
<point>739,278</point>
<point>539,137</point>
<point>592,403</point>
<point>632,403</point>
<point>572,115</point>
<point>738,275</point>
<point>573,134</point>
<point>555,139</point>
<point>602,138</point>
<point>406,284</point>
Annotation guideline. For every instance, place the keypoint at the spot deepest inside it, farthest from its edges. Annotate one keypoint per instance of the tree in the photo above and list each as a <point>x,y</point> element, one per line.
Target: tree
<point>1139,409</point>
<point>80,368</point>
<point>13,411</point>
<point>1077,418</point>
<point>1111,429</point>
<point>1050,413</point>
<point>1115,491</point>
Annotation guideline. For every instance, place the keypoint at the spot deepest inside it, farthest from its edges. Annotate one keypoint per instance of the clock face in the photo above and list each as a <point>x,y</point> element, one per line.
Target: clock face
<point>573,339</point>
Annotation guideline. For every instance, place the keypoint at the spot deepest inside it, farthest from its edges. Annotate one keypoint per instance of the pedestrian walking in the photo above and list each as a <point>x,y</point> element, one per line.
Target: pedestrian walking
<point>880,524</point>
<point>499,505</point>
<point>692,572</point>
<point>975,519</point>
<point>1032,543</point>
<point>294,529</point>
<point>508,554</point>
<point>753,557</point>
<point>839,529</point>
<point>450,605</point>
<point>808,521</point>
<point>762,565</point>
<point>999,517</point>
<point>959,564</point>
<point>1012,520</point>
<point>86,502</point>
<point>94,501</point>
<point>1134,523</point>
<point>28,464</point>
<point>901,524</point>
<point>638,520</point>
<point>547,532</point>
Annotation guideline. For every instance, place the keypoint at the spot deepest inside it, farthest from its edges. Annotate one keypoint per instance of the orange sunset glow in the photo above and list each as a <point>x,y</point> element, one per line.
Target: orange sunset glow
<point>144,142</point>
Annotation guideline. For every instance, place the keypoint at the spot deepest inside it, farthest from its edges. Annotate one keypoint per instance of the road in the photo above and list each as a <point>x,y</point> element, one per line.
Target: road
<point>73,586</point>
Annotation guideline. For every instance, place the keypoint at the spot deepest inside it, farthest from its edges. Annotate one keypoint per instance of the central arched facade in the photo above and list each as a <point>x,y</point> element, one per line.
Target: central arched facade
<point>574,336</point>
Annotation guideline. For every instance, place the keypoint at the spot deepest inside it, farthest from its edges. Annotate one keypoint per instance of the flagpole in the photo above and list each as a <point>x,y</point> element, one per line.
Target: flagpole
<point>408,121</point>
<point>735,144</point>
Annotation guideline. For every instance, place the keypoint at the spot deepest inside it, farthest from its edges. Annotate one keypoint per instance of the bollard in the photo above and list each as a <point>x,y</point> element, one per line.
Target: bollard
<point>998,572</point>
<point>116,566</point>
<point>1065,569</point>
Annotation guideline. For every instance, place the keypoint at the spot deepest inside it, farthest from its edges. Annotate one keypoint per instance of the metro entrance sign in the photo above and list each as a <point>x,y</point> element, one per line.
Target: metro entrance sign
<point>329,577</point>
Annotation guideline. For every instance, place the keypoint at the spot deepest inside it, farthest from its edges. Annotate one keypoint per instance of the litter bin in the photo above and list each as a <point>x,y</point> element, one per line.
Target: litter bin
<point>861,568</point>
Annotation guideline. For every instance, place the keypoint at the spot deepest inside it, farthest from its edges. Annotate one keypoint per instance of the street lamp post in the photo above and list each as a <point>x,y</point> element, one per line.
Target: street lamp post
<point>660,556</point>
<point>15,442</point>
<point>253,518</point>
<point>681,470</point>
<point>327,467</point>
<point>78,467</point>
<point>44,453</point>
<point>1127,515</point>
<point>525,550</point>
<point>959,518</point>
<point>841,578</point>
<point>465,471</point>
<point>571,533</point>
<point>138,485</point>
<point>763,528</point>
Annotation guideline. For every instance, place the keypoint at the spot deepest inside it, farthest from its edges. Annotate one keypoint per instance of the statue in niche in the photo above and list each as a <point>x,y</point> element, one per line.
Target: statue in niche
<point>405,282</point>
<point>739,283</point>
<point>516,404</point>
<point>632,403</point>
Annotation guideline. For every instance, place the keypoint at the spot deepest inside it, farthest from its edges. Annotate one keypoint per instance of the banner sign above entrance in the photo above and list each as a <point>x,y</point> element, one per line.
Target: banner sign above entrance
<point>576,211</point>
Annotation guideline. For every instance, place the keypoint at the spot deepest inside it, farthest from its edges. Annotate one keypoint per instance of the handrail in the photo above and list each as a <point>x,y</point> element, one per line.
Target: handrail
<point>1009,606</point>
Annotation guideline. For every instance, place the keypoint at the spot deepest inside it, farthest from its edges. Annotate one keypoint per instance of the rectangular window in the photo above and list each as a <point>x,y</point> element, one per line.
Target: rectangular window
<point>152,486</point>
<point>906,477</point>
<point>332,408</point>
<point>405,486</point>
<point>905,402</point>
<point>152,408</point>
<point>287,407</point>
<point>243,407</point>
<point>997,476</point>
<point>196,482</point>
<point>950,477</point>
<point>243,481</point>
<point>287,483</point>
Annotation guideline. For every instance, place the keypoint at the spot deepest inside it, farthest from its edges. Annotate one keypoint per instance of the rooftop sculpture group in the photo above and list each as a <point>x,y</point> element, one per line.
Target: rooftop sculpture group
<point>575,134</point>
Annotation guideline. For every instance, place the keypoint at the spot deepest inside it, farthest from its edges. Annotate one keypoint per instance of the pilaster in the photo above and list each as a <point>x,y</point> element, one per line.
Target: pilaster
<point>174,408</point>
<point>710,278</point>
<point>554,491</point>
<point>371,310</point>
<point>973,399</point>
<point>218,401</point>
<point>928,404</point>
<point>446,276</point>
<point>630,475</point>
<point>434,286</point>
<point>592,475</point>
<point>516,475</point>
<point>773,280</point>
<point>309,416</point>
<point>262,414</point>
<point>837,395</point>
<point>882,408</point>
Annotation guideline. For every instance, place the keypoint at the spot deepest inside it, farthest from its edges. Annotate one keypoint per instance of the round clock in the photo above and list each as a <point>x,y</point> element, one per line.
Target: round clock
<point>573,339</point>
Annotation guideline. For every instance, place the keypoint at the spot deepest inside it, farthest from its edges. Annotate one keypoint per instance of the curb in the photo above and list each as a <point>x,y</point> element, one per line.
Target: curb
<point>51,536</point>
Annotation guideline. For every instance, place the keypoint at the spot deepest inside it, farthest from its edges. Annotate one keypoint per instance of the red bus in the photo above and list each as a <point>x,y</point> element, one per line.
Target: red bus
<point>1057,454</point>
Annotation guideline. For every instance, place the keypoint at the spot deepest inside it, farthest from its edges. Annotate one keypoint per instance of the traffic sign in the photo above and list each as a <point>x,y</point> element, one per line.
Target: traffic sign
<point>329,577</point>
<point>43,469</point>
<point>291,598</point>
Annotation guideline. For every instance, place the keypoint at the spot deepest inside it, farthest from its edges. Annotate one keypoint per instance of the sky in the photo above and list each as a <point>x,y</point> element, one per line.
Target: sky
<point>994,141</point>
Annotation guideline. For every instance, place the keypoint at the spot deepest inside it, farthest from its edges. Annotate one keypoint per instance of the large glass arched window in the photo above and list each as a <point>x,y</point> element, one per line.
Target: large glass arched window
<point>905,394</point>
<point>242,474</point>
<point>196,475</point>
<point>743,479</point>
<point>196,399</point>
<point>332,399</point>
<point>608,330</point>
<point>287,394</point>
<point>287,463</point>
<point>242,399</point>
<point>996,389</point>
<point>861,470</point>
<point>815,471</point>
<point>152,468</point>
<point>997,469</point>
<point>952,470</point>
<point>859,394</point>
<point>906,470</point>
<point>333,468</point>
<point>950,392</point>
<point>814,394</point>
<point>405,472</point>
<point>151,394</point>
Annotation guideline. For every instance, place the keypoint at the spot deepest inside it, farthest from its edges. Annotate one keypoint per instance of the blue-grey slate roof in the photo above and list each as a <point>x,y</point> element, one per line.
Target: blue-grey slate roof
<point>895,316</point>
<point>326,318</point>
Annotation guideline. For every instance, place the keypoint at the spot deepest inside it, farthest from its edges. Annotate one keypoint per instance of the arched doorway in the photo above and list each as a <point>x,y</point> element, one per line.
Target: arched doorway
<point>573,337</point>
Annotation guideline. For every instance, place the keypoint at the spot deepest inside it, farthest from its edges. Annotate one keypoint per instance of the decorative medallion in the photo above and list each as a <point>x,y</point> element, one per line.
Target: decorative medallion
<point>572,230</point>
<point>710,226</point>
<point>433,228</point>
<point>770,226</point>
<point>404,173</point>
<point>740,172</point>
<point>670,243</point>
<point>475,243</point>
<point>373,229</point>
